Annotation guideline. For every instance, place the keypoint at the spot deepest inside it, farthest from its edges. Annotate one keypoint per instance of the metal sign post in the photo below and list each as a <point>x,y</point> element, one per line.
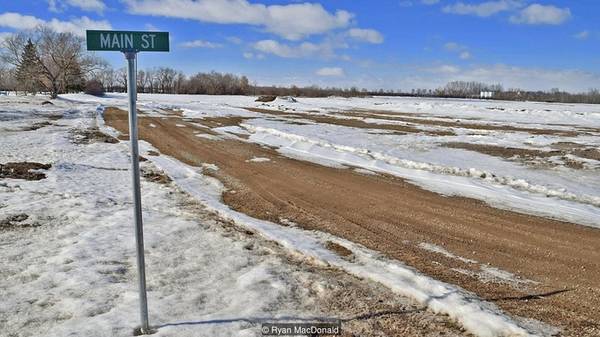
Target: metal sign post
<point>130,43</point>
<point>137,197</point>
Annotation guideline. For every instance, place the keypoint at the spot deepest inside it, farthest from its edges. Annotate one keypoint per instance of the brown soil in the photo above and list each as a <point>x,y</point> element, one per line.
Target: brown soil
<point>23,170</point>
<point>156,177</point>
<point>392,216</point>
<point>176,112</point>
<point>36,126</point>
<point>365,308</point>
<point>589,153</point>
<point>567,145</point>
<point>530,154</point>
<point>338,249</point>
<point>504,152</point>
<point>15,221</point>
<point>215,122</point>
<point>92,135</point>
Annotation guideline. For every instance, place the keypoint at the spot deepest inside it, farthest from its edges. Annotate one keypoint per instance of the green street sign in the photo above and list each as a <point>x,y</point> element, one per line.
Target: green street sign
<point>127,40</point>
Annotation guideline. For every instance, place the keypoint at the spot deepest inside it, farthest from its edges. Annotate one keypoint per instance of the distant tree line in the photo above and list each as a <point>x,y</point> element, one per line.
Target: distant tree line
<point>46,61</point>
<point>462,89</point>
<point>165,80</point>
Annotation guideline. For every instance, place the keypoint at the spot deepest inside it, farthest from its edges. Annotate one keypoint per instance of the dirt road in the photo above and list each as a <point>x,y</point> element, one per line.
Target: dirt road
<point>394,217</point>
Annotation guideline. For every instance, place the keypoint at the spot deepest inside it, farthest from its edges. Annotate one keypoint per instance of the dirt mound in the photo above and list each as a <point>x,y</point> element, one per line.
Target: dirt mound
<point>36,126</point>
<point>339,249</point>
<point>16,221</point>
<point>589,153</point>
<point>156,176</point>
<point>23,170</point>
<point>92,135</point>
<point>266,98</point>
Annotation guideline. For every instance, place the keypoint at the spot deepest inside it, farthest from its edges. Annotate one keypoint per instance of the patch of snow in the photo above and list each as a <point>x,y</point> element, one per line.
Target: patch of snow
<point>440,250</point>
<point>208,136</point>
<point>258,160</point>
<point>211,167</point>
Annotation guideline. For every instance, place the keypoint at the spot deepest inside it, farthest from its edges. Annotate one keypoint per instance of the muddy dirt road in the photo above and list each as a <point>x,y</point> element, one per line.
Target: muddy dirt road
<point>558,263</point>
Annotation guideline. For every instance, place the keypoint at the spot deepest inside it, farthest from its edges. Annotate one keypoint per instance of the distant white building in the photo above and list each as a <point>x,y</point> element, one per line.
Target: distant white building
<point>486,94</point>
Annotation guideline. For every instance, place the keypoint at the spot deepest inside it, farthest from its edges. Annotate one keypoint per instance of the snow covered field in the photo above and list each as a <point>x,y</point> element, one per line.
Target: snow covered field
<point>73,271</point>
<point>543,185</point>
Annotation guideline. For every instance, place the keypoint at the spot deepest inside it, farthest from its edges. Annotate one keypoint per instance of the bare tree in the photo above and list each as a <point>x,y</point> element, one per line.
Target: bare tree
<point>107,77</point>
<point>166,77</point>
<point>152,76</point>
<point>180,83</point>
<point>4,77</point>
<point>121,79</point>
<point>12,49</point>
<point>60,56</point>
<point>142,81</point>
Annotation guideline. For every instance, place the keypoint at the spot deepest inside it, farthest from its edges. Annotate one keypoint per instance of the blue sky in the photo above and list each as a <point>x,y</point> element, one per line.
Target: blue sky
<point>395,44</point>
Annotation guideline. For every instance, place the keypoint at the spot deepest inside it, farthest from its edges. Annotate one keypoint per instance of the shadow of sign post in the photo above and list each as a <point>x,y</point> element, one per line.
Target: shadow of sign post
<point>130,43</point>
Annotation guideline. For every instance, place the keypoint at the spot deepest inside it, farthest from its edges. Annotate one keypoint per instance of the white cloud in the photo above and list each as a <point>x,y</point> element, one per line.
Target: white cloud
<point>367,35</point>
<point>331,72</point>
<point>250,55</point>
<point>408,3</point>
<point>151,27</point>
<point>583,35</point>
<point>293,21</point>
<point>234,39</point>
<point>304,49</point>
<point>537,14</point>
<point>483,9</point>
<point>453,46</point>
<point>19,22</point>
<point>200,44</point>
<point>462,51</point>
<point>76,26</point>
<point>86,5</point>
<point>444,69</point>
